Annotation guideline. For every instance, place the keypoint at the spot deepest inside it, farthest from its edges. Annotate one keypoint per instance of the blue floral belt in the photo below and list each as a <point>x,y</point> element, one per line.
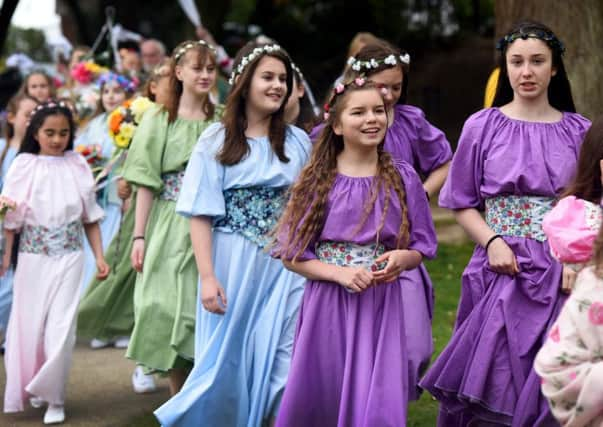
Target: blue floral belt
<point>518,216</point>
<point>346,254</point>
<point>252,212</point>
<point>57,241</point>
<point>172,182</point>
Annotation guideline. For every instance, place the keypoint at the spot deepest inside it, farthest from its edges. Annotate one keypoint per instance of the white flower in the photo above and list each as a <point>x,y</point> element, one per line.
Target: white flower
<point>390,60</point>
<point>356,66</point>
<point>374,63</point>
<point>405,58</point>
<point>351,60</point>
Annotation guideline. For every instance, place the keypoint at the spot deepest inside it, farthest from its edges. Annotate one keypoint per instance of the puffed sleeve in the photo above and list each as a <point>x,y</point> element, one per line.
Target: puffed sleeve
<point>85,181</point>
<point>569,363</point>
<point>430,148</point>
<point>145,156</point>
<point>571,228</point>
<point>462,187</point>
<point>17,187</point>
<point>422,231</point>
<point>203,182</point>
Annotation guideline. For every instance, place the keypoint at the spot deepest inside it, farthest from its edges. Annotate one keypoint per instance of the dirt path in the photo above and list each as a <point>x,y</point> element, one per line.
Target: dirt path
<point>99,393</point>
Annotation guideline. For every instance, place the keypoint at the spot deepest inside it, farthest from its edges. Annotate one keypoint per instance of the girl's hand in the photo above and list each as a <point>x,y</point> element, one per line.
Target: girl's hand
<point>501,258</point>
<point>102,268</point>
<point>5,264</point>
<point>213,296</point>
<point>354,278</point>
<point>396,264</point>
<point>124,190</point>
<point>125,206</point>
<point>568,279</point>
<point>137,255</point>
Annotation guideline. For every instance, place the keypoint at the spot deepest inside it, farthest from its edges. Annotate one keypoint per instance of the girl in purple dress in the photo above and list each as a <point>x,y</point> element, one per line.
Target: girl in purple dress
<point>367,223</point>
<point>512,161</point>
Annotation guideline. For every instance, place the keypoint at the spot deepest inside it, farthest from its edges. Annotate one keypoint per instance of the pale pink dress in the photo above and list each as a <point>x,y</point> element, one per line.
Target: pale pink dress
<point>570,363</point>
<point>50,192</point>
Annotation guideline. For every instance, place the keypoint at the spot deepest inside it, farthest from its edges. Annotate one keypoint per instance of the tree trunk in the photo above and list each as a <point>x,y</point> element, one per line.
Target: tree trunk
<point>579,25</point>
<point>6,15</point>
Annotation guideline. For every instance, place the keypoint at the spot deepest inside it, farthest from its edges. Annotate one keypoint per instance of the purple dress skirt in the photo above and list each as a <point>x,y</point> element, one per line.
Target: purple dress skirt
<point>350,364</point>
<point>513,169</point>
<point>413,139</point>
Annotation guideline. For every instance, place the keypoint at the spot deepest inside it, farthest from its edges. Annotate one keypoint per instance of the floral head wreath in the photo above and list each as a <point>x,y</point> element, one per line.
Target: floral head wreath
<point>297,70</point>
<point>48,105</point>
<point>393,60</point>
<point>255,53</point>
<point>341,88</point>
<point>124,82</point>
<point>549,38</point>
<point>191,45</point>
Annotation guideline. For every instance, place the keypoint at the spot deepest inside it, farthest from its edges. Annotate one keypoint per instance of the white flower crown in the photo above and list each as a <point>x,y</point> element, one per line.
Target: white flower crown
<point>249,59</point>
<point>392,60</point>
<point>188,46</point>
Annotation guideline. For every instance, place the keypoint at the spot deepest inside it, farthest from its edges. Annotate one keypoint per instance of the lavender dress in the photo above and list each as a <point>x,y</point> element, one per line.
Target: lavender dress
<point>349,366</point>
<point>413,139</point>
<point>485,372</point>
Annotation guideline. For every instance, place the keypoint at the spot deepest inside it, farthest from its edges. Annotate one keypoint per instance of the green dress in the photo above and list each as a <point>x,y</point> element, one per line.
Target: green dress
<point>165,293</point>
<point>107,309</point>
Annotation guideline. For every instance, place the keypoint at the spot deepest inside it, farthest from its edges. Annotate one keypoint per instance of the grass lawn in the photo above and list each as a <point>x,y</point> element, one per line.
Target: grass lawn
<point>445,272</point>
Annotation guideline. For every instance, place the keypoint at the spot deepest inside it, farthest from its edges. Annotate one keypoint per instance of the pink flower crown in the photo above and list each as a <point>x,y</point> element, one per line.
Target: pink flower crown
<point>340,88</point>
<point>48,105</point>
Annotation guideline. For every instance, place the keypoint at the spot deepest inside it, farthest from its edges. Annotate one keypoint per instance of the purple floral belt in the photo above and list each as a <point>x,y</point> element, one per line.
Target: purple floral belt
<point>56,241</point>
<point>172,182</point>
<point>346,254</point>
<point>518,216</point>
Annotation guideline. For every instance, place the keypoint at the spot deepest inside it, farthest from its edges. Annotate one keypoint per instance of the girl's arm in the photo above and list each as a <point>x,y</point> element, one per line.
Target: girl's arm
<point>94,238</point>
<point>144,203</point>
<point>500,256</point>
<point>9,239</point>
<point>213,296</point>
<point>353,278</point>
<point>436,179</point>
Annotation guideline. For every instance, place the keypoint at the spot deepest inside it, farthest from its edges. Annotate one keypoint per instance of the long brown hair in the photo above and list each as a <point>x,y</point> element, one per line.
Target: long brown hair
<point>12,108</point>
<point>203,54</point>
<point>157,73</point>
<point>586,183</point>
<point>304,215</point>
<point>234,119</point>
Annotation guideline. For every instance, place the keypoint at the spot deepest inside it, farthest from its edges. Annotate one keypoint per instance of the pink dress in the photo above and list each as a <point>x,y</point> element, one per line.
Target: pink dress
<point>54,196</point>
<point>570,363</point>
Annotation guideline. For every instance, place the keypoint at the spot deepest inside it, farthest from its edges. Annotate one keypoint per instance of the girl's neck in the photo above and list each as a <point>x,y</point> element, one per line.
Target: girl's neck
<point>257,124</point>
<point>190,107</point>
<point>536,110</point>
<point>358,162</point>
<point>15,141</point>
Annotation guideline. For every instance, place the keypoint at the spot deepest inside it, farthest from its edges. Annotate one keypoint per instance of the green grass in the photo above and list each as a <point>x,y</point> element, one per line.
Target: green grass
<point>445,272</point>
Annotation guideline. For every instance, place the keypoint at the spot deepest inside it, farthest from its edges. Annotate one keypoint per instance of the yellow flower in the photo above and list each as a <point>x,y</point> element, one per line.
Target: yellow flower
<point>127,130</point>
<point>139,106</point>
<point>121,141</point>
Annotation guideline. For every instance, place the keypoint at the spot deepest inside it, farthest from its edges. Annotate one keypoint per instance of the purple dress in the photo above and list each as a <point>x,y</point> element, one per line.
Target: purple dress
<point>349,366</point>
<point>413,139</point>
<point>485,372</point>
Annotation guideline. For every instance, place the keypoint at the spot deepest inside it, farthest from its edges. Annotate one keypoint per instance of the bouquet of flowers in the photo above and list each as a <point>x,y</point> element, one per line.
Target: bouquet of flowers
<point>6,205</point>
<point>124,120</point>
<point>92,154</point>
<point>86,72</point>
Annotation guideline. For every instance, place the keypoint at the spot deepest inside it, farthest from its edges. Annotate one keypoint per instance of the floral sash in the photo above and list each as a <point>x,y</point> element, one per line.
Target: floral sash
<point>518,216</point>
<point>53,242</point>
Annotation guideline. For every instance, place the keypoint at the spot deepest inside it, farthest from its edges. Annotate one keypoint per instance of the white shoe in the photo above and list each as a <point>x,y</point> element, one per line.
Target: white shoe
<point>95,344</point>
<point>121,342</point>
<point>142,383</point>
<point>36,402</point>
<point>55,414</point>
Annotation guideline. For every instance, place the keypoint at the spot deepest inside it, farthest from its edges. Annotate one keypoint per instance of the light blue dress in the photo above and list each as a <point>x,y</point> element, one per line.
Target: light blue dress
<point>6,282</point>
<point>241,358</point>
<point>97,133</point>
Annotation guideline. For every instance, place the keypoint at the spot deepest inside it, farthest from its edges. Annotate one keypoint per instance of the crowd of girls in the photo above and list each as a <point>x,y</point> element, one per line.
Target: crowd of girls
<point>270,264</point>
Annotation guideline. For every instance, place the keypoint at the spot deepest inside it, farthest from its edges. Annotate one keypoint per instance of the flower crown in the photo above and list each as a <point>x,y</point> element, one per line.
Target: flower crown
<point>269,48</point>
<point>549,38</point>
<point>392,60</point>
<point>340,88</point>
<point>191,45</point>
<point>124,82</point>
<point>297,70</point>
<point>47,106</point>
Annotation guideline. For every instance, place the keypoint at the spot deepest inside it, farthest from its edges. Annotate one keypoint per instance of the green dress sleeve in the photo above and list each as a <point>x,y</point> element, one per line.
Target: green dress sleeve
<point>143,166</point>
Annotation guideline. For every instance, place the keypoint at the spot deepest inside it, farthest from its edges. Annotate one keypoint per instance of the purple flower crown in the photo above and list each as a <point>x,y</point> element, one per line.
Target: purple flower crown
<point>124,82</point>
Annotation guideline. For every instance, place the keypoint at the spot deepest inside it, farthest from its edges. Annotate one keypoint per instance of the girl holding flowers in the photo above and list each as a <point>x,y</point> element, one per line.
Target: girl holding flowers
<point>53,189</point>
<point>165,292</point>
<point>233,192</point>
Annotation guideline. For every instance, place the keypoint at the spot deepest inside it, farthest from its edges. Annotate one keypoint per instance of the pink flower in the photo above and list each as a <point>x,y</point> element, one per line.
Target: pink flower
<point>359,81</point>
<point>595,313</point>
<point>572,375</point>
<point>554,335</point>
<point>339,88</point>
<point>325,116</point>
